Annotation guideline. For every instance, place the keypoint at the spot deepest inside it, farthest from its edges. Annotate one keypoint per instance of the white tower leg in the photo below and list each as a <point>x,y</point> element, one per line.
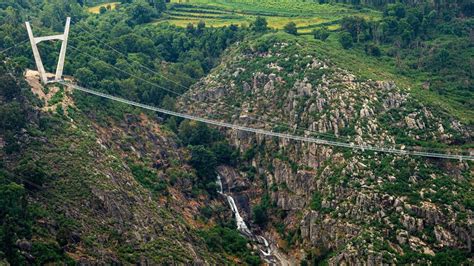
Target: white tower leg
<point>36,54</point>
<point>62,55</point>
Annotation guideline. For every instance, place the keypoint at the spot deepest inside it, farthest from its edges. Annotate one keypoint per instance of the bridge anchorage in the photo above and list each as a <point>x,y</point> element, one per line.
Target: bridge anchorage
<point>62,55</point>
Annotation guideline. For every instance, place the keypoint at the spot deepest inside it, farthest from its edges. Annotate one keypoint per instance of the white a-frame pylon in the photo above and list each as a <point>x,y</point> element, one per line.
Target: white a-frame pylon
<point>39,64</point>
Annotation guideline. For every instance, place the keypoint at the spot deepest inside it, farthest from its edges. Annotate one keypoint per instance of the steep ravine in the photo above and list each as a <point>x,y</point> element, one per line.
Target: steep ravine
<point>333,204</point>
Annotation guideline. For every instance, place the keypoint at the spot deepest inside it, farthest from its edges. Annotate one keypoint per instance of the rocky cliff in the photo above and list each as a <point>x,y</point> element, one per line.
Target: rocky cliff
<point>333,204</point>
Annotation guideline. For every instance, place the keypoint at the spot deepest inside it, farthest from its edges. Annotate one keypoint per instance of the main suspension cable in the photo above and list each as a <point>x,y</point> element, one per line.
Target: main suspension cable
<point>362,147</point>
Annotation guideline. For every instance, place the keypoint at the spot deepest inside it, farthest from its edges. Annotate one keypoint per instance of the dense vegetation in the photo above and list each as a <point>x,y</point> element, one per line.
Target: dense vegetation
<point>223,239</point>
<point>156,61</point>
<point>208,149</point>
<point>25,179</point>
<point>428,42</point>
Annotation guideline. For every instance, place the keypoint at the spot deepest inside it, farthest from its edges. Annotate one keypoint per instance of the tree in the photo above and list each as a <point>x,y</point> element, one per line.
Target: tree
<point>225,154</point>
<point>345,39</point>
<point>190,28</point>
<point>54,11</point>
<point>141,12</point>
<point>260,24</point>
<point>12,116</point>
<point>291,28</point>
<point>15,221</point>
<point>159,5</point>
<point>316,202</point>
<point>372,49</point>
<point>201,25</point>
<point>85,77</point>
<point>8,87</point>
<point>196,133</point>
<point>441,59</point>
<point>356,26</point>
<point>204,161</point>
<point>260,215</point>
<point>260,211</point>
<point>102,10</point>
<point>396,10</point>
<point>321,33</point>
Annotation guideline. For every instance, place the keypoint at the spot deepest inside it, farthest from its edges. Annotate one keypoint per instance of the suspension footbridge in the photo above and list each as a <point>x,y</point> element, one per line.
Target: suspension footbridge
<point>303,138</point>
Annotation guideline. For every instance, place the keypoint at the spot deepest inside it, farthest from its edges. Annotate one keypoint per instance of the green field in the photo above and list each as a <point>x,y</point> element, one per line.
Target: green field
<point>218,13</point>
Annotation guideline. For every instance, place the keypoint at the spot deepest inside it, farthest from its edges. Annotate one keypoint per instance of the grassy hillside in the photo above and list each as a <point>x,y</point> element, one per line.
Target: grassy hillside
<point>385,68</point>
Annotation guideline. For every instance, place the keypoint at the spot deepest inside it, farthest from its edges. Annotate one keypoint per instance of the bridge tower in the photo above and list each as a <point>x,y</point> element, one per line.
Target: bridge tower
<point>62,55</point>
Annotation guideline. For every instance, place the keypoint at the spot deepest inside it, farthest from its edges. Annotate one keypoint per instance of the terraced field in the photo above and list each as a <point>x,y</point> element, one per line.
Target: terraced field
<point>218,13</point>
<point>96,9</point>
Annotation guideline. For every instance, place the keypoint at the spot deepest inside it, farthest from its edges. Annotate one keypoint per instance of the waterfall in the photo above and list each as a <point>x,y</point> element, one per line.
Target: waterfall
<point>242,226</point>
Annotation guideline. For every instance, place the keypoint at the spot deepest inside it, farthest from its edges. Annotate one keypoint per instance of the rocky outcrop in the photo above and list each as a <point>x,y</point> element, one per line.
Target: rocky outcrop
<point>340,199</point>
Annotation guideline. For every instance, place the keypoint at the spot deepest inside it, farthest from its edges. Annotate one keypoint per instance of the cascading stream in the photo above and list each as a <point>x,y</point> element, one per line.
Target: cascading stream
<point>242,226</point>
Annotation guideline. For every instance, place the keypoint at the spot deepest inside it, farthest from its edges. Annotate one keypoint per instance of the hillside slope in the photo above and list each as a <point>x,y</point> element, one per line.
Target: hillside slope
<point>83,188</point>
<point>331,204</point>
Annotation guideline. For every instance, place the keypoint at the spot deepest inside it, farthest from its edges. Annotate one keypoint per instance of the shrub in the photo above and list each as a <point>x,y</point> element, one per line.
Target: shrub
<point>48,253</point>
<point>260,216</point>
<point>321,33</point>
<point>32,174</point>
<point>450,257</point>
<point>372,49</point>
<point>345,39</point>
<point>291,28</point>
<point>316,202</point>
<point>204,161</point>
<point>249,154</point>
<point>149,179</point>
<point>260,25</point>
<point>206,211</point>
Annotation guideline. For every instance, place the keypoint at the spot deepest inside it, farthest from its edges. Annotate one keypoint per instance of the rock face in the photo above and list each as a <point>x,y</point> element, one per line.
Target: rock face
<point>347,207</point>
